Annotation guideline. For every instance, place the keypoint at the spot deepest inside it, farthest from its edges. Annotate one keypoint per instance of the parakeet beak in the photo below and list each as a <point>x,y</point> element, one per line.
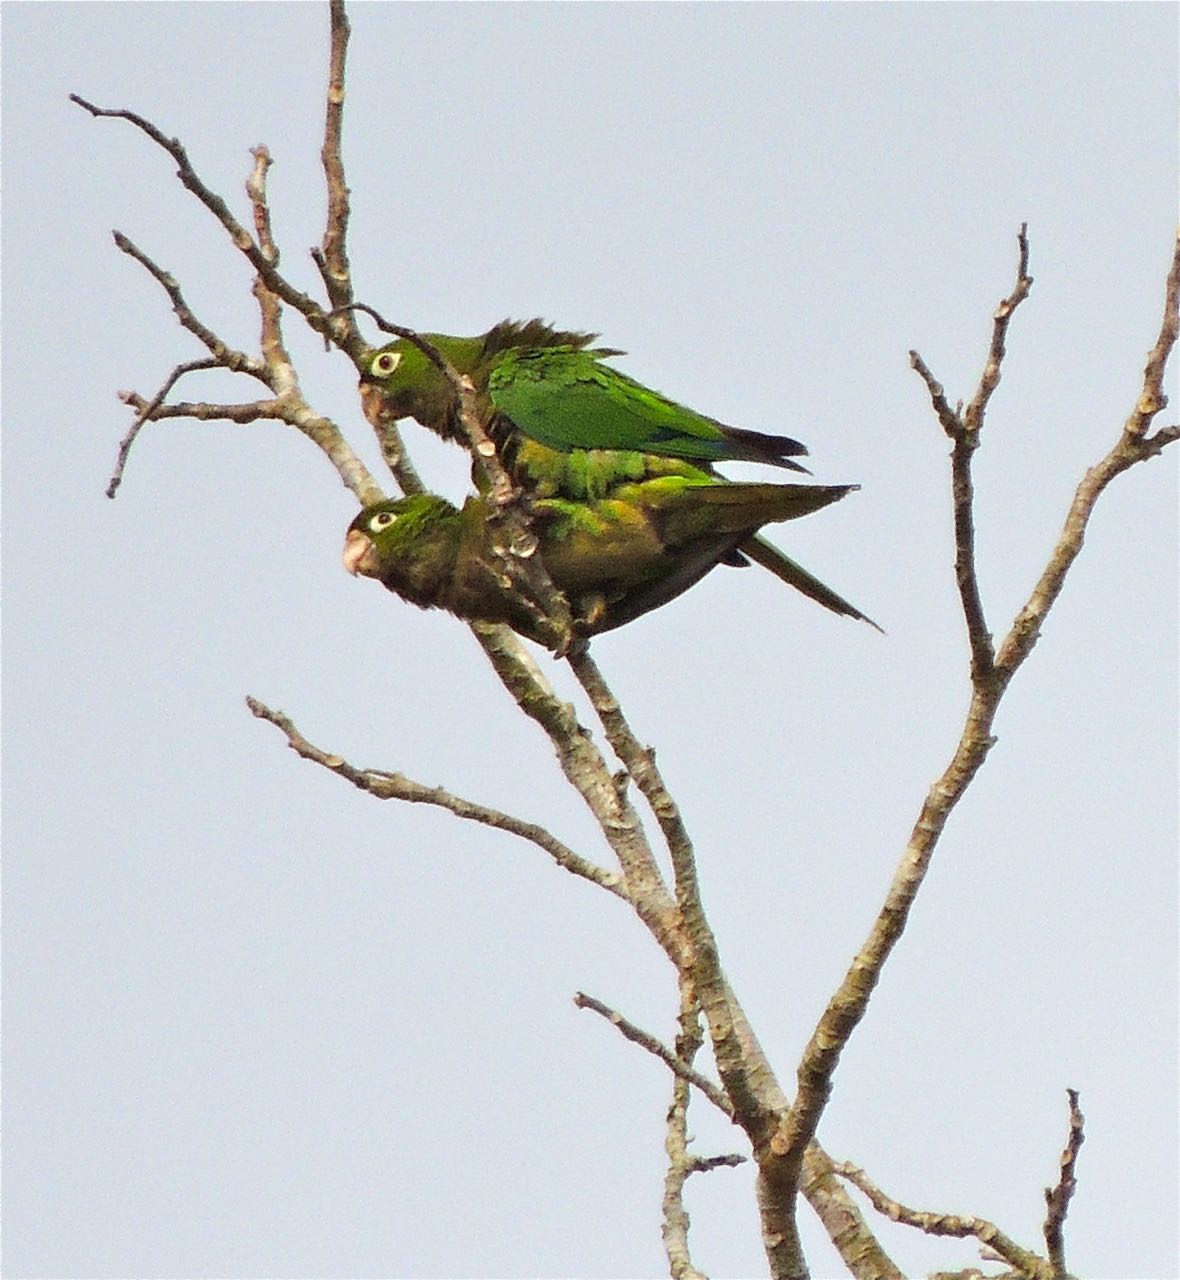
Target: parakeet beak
<point>374,405</point>
<point>360,556</point>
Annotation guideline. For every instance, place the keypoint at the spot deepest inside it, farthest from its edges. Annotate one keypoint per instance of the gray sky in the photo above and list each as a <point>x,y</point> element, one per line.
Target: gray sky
<point>258,1024</point>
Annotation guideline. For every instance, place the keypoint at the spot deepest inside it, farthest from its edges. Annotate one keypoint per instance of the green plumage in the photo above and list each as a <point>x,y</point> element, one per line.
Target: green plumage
<point>614,558</point>
<point>567,424</point>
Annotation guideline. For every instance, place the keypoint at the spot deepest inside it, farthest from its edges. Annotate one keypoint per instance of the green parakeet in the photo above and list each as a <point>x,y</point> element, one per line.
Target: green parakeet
<point>566,423</point>
<point>614,558</point>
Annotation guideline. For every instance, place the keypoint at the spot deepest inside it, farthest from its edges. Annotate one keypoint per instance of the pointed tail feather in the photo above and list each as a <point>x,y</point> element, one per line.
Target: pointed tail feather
<point>794,575</point>
<point>741,505</point>
<point>757,446</point>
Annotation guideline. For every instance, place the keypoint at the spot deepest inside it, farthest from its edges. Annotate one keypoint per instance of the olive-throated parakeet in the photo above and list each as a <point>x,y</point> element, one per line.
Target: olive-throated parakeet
<point>614,558</point>
<point>566,424</point>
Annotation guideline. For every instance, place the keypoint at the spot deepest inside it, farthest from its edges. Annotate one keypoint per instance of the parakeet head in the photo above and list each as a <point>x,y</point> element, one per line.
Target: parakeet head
<point>389,530</point>
<point>400,379</point>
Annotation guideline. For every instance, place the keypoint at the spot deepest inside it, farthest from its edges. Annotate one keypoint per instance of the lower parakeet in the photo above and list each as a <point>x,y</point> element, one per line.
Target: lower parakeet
<point>614,558</point>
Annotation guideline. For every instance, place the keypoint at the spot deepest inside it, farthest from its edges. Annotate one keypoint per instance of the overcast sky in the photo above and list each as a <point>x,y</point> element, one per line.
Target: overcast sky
<point>259,1024</point>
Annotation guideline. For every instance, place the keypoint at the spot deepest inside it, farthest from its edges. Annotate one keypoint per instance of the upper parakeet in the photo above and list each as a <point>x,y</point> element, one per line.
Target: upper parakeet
<point>566,423</point>
<point>614,558</point>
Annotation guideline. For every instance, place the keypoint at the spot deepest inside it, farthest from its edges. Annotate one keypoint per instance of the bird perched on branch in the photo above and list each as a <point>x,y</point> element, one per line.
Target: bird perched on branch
<point>614,558</point>
<point>569,426</point>
<point>566,424</point>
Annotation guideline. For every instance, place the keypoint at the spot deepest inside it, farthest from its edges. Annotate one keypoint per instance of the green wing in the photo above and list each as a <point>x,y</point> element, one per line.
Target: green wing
<point>568,399</point>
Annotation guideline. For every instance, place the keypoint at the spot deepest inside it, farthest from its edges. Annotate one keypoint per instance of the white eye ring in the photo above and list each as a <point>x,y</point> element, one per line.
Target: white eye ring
<point>385,362</point>
<point>382,520</point>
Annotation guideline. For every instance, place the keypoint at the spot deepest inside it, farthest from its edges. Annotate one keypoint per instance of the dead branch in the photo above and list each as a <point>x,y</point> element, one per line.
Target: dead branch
<point>147,409</point>
<point>395,786</point>
<point>273,368</point>
<point>1023,1261</point>
<point>681,1163</point>
<point>848,1004</point>
<point>964,431</point>
<point>335,328</point>
<point>1057,1198</point>
<point>782,1135</point>
<point>678,1065</point>
<point>223,355</point>
<point>332,256</point>
<point>753,1105</point>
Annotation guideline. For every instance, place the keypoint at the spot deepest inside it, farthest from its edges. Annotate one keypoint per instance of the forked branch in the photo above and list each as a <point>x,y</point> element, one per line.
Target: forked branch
<point>988,683</point>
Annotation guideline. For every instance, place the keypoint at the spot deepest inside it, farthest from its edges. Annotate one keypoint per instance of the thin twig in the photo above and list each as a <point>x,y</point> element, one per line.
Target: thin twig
<point>657,1048</point>
<point>335,328</point>
<point>147,410</point>
<point>675,1224</point>
<point>1133,446</point>
<point>1057,1198</point>
<point>682,1164</point>
<point>288,406</point>
<point>332,257</point>
<point>394,786</point>
<point>224,355</point>
<point>274,351</point>
<point>990,380</point>
<point>957,1225</point>
<point>706,1164</point>
<point>952,424</point>
<point>1153,400</point>
<point>964,431</point>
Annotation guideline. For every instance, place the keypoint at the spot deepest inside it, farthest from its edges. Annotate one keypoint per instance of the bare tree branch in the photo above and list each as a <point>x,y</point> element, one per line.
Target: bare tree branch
<point>336,328</point>
<point>749,1080</point>
<point>681,1163</point>
<point>332,257</point>
<point>708,979</point>
<point>274,369</point>
<point>848,1004</point>
<point>1153,400</point>
<point>1024,1261</point>
<point>676,1222</point>
<point>147,409</point>
<point>274,351</point>
<point>706,1164</point>
<point>1057,1198</point>
<point>676,1064</point>
<point>290,409</point>
<point>395,786</point>
<point>223,355</point>
<point>973,418</point>
<point>963,430</point>
<point>1133,446</point>
<point>842,1219</point>
<point>582,764</point>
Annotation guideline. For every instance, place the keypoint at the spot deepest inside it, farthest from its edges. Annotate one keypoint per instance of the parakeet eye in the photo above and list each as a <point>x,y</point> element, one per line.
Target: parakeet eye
<point>385,362</point>
<point>382,520</point>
